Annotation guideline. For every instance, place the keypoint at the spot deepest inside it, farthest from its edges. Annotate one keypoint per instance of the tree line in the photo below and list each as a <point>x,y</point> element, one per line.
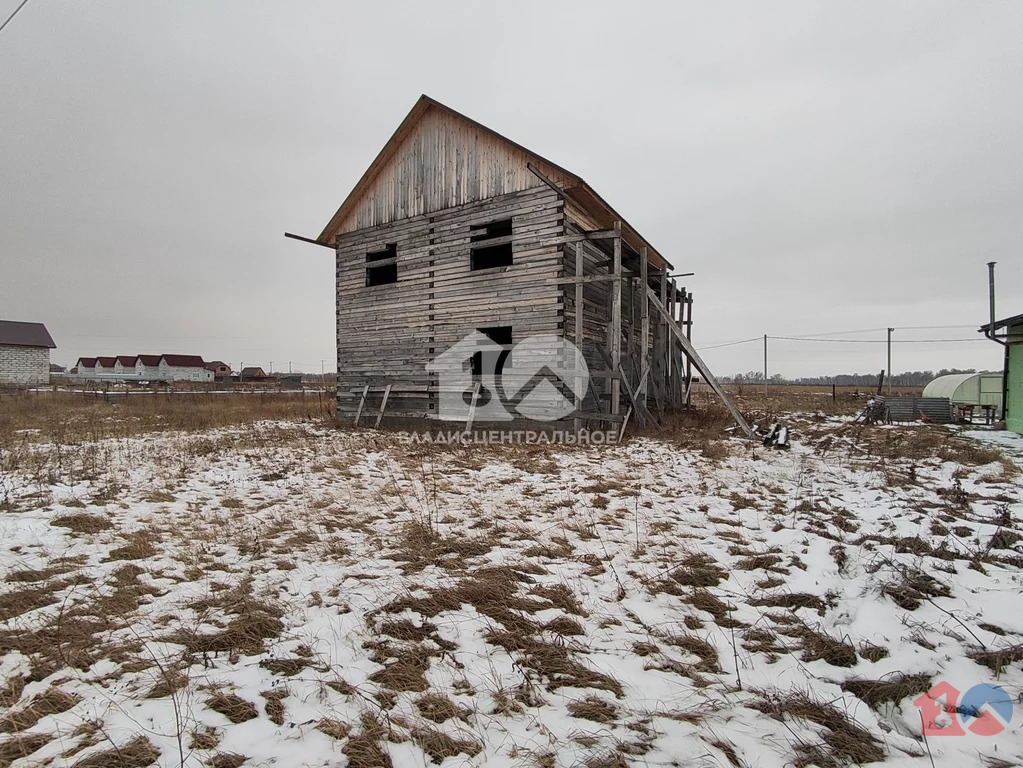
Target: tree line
<point>906,379</point>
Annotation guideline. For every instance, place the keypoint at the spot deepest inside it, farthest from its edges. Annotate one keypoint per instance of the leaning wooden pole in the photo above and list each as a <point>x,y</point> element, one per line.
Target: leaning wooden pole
<point>701,366</point>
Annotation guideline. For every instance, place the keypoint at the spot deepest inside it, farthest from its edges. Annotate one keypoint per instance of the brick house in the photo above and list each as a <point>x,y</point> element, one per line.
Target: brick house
<point>24,353</point>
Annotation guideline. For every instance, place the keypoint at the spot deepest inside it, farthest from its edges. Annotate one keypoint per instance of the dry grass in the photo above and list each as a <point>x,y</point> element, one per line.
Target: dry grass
<point>820,646</point>
<point>21,746</point>
<point>843,739</point>
<point>254,621</point>
<point>698,570</point>
<point>407,673</point>
<point>137,753</point>
<point>593,708</point>
<point>439,708</point>
<point>876,692</point>
<point>274,705</point>
<point>553,663</point>
<point>997,660</point>
<point>233,707</point>
<point>440,745</point>
<point>83,523</point>
<point>910,587</point>
<point>66,417</point>
<point>364,749</point>
<point>29,599</point>
<point>698,647</point>
<point>138,546</point>
<point>226,760</point>
<point>421,546</point>
<point>791,600</point>
<point>336,729</point>
<point>52,701</point>
<point>207,738</point>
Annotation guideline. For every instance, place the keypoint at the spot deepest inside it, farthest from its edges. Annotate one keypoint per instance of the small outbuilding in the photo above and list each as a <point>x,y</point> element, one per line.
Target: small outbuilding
<point>24,353</point>
<point>980,389</point>
<point>1009,333</point>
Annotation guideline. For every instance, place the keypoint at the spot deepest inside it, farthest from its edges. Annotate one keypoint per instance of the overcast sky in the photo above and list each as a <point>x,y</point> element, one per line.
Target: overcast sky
<point>821,167</point>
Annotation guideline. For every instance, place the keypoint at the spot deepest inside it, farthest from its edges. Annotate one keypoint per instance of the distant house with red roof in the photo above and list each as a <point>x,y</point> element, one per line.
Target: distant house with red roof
<point>143,368</point>
<point>219,368</point>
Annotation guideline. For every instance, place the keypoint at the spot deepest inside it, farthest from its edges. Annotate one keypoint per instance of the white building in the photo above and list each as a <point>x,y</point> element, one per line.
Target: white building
<point>184,368</point>
<point>143,368</point>
<point>24,353</point>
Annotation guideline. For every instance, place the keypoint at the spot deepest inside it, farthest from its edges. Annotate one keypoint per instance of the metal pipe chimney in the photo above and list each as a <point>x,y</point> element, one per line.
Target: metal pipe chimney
<point>991,302</point>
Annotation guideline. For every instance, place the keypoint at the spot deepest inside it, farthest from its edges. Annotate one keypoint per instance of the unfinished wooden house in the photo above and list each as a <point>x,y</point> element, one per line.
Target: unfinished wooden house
<point>456,232</point>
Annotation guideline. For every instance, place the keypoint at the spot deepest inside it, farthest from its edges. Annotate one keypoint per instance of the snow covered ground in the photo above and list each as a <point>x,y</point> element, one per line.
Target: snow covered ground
<point>295,595</point>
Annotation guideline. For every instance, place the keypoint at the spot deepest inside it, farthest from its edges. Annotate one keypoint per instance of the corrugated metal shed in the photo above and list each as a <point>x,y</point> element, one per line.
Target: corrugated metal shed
<point>938,409</point>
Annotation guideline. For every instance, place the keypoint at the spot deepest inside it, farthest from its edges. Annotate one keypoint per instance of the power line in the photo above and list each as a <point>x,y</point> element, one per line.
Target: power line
<point>731,343</point>
<point>874,341</point>
<point>23,3</point>
<point>829,333</point>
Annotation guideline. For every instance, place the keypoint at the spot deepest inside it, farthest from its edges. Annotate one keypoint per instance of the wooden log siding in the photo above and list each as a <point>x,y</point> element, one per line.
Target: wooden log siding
<point>387,334</point>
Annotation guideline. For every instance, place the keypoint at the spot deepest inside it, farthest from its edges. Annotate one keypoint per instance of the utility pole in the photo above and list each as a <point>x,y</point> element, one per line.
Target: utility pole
<point>890,361</point>
<point>289,366</point>
<point>765,366</point>
<point>241,369</point>
<point>271,367</point>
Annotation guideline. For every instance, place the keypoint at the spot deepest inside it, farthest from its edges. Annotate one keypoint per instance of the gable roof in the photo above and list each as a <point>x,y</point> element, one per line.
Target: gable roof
<point>570,186</point>
<point>128,361</point>
<point>20,334</point>
<point>253,371</point>
<point>150,359</point>
<point>185,361</point>
<point>86,362</point>
<point>106,362</point>
<point>213,365</point>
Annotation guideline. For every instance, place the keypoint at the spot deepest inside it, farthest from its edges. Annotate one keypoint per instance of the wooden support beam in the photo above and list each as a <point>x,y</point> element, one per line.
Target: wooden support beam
<point>670,376</point>
<point>662,354</point>
<point>644,312</point>
<point>689,336</point>
<point>472,405</point>
<point>580,416</point>
<point>587,279</point>
<point>637,404</point>
<point>616,322</point>
<point>536,172</point>
<point>633,327</point>
<point>362,402</point>
<point>578,325</point>
<point>383,405</point>
<point>702,368</point>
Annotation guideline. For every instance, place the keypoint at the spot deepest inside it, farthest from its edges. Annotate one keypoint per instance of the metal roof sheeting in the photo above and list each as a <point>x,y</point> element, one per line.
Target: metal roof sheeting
<point>938,409</point>
<point>20,334</point>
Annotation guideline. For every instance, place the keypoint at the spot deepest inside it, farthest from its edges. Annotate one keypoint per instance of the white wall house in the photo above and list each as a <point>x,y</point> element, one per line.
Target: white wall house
<point>24,353</point>
<point>143,368</point>
<point>147,367</point>
<point>184,368</point>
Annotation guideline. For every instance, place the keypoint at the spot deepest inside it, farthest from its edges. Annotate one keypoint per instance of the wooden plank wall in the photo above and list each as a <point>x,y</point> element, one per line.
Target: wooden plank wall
<point>387,334</point>
<point>445,162</point>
